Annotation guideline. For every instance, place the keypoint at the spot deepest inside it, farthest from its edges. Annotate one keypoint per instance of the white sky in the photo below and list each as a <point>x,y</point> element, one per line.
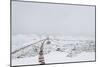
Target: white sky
<point>28,18</point>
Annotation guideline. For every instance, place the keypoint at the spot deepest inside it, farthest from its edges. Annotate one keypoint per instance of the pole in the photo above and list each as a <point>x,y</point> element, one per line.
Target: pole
<point>41,55</point>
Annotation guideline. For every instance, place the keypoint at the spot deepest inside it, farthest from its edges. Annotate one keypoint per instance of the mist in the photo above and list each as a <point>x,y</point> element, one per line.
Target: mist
<point>30,17</point>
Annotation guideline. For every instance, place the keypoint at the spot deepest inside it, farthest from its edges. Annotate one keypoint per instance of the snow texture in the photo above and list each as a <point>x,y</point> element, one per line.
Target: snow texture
<point>59,49</point>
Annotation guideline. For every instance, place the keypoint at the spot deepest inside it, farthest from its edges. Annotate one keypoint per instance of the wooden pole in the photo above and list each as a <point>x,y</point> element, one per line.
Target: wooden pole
<point>41,54</point>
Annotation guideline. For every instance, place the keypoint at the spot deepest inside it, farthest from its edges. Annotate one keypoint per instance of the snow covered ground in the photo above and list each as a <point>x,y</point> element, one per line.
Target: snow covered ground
<point>62,49</point>
<point>55,57</point>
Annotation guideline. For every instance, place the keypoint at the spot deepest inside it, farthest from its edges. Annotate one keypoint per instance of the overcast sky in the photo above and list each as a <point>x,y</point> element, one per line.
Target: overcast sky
<point>28,18</point>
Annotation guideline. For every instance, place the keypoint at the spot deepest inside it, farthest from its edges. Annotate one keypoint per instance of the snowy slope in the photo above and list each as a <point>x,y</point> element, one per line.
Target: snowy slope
<point>55,57</point>
<point>61,49</point>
